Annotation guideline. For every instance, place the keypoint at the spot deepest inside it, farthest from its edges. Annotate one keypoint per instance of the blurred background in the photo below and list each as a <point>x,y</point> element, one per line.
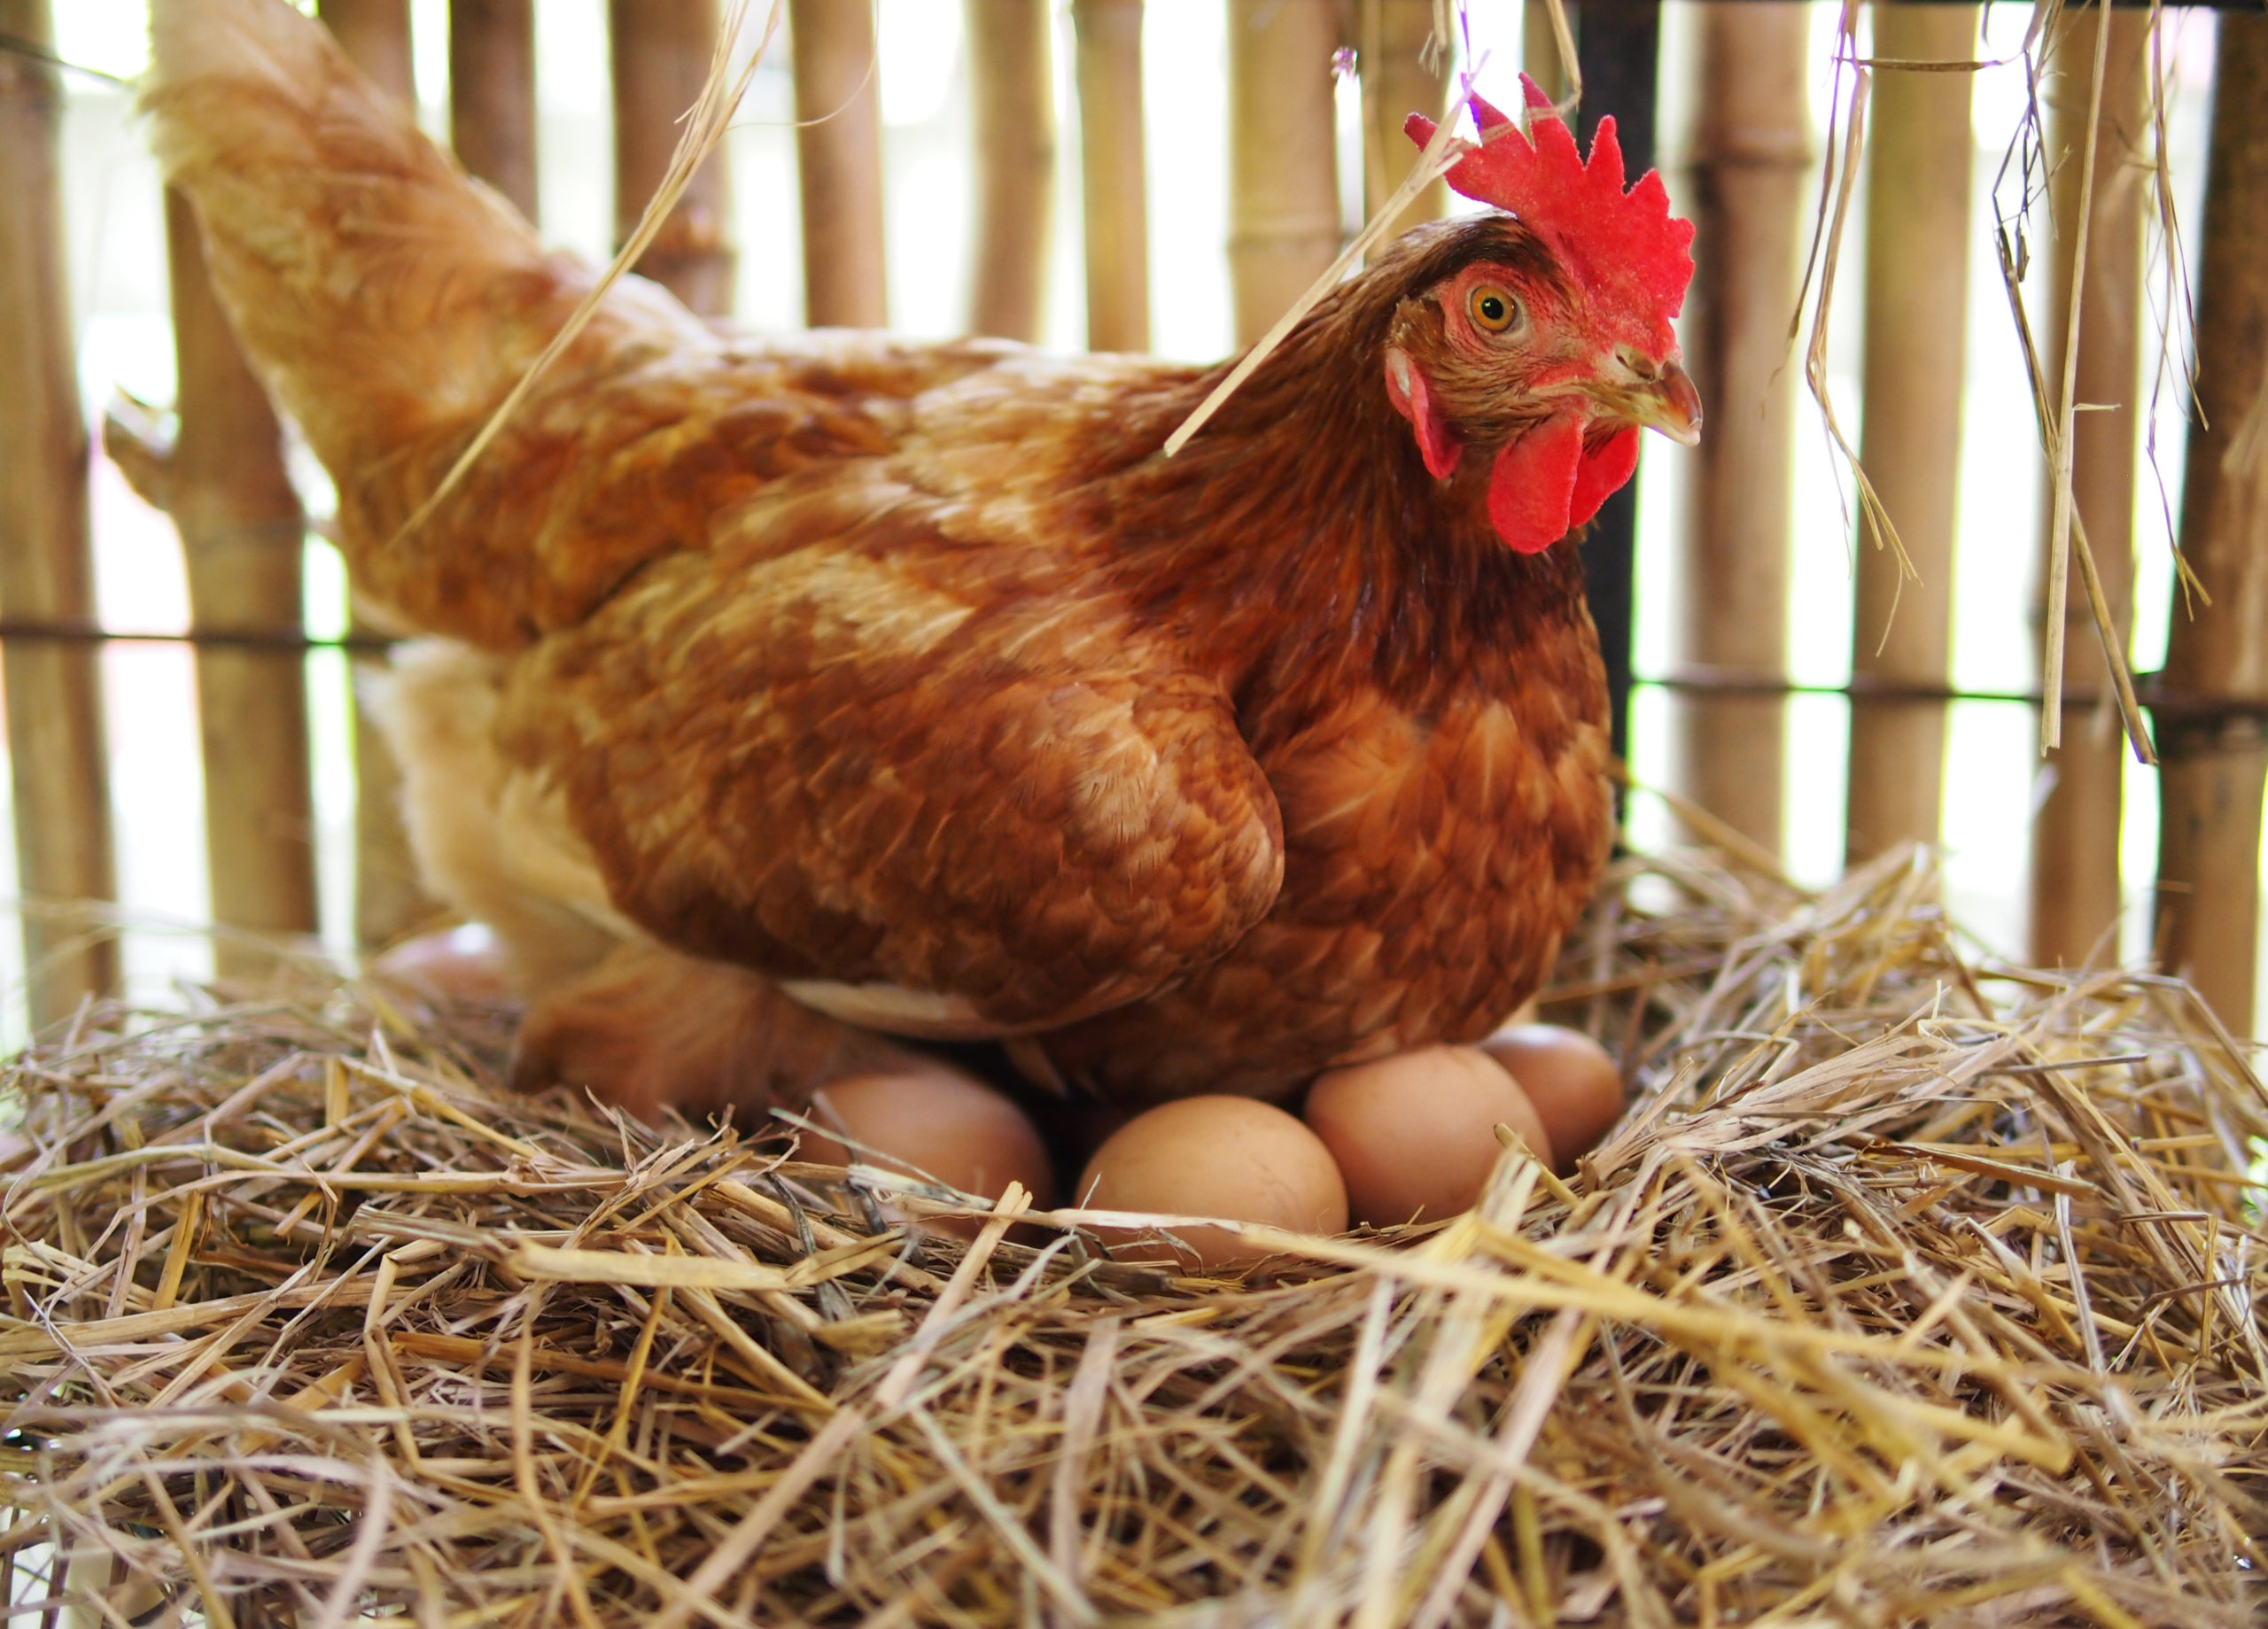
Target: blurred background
<point>113,224</point>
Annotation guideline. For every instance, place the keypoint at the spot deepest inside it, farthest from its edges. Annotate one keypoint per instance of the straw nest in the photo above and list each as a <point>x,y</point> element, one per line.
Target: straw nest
<point>1914,1289</point>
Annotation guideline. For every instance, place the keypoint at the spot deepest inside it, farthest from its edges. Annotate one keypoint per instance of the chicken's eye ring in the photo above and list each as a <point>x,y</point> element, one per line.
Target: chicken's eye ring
<point>1492,310</point>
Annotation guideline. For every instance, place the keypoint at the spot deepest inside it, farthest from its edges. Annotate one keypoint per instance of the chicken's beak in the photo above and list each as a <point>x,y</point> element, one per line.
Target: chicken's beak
<point>1669,404</point>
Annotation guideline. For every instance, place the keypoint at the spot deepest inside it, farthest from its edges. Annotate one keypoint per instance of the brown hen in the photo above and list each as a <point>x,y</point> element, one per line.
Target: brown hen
<point>911,680</point>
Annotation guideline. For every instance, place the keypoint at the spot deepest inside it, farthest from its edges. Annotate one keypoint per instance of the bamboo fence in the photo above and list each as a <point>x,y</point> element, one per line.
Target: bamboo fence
<point>492,95</point>
<point>1114,171</point>
<point>2214,754</point>
<point>1751,150</point>
<point>375,35</point>
<point>839,152</point>
<point>1539,56</point>
<point>59,769</point>
<point>1283,226</point>
<point>389,900</point>
<point>2076,897</point>
<point>1404,69</point>
<point>660,54</point>
<point>1919,165</point>
<point>242,538</point>
<point>1012,107</point>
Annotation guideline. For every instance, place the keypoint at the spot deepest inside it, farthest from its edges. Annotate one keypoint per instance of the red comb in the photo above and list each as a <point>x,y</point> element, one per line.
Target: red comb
<point>1625,248</point>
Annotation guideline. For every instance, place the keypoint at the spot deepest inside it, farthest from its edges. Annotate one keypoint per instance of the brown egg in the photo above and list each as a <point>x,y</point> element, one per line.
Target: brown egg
<point>936,1122</point>
<point>1228,1157</point>
<point>1415,1134</point>
<point>456,964</point>
<point>1573,1083</point>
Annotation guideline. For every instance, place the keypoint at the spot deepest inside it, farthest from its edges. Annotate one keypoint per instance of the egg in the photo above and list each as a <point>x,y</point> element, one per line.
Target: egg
<point>1415,1134</point>
<point>1570,1078</point>
<point>932,1122</point>
<point>461,964</point>
<point>1230,1157</point>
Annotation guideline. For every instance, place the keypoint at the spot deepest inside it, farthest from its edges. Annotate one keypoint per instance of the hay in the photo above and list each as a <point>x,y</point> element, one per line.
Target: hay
<point>1913,1289</point>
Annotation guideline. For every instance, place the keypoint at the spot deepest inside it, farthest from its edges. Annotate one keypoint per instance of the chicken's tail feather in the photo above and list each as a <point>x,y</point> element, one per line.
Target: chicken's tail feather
<point>388,301</point>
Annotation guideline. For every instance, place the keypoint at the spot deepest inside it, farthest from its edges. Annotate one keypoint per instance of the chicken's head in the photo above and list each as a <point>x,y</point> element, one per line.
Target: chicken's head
<point>1545,340</point>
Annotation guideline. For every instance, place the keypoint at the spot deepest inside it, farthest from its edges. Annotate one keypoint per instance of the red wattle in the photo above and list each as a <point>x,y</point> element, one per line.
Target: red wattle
<point>1532,488</point>
<point>1546,484</point>
<point>1601,472</point>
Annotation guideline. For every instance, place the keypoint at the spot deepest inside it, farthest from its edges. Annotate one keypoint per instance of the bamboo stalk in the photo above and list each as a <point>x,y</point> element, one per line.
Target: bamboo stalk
<point>839,163</point>
<point>1282,168</point>
<point>492,95</point>
<point>57,766</point>
<point>1541,59</point>
<point>661,55</point>
<point>2074,883</point>
<point>1753,147</point>
<point>1113,174</point>
<point>1921,156</point>
<point>375,35</point>
<point>1012,93</point>
<point>388,900</point>
<point>242,534</point>
<point>2209,841</point>
<point>1401,76</point>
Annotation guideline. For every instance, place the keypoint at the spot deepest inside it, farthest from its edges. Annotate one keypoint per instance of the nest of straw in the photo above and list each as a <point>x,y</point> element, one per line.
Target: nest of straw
<point>1914,1289</point>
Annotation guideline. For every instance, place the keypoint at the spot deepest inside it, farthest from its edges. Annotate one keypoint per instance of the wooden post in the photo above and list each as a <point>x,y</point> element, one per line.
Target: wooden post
<point>1399,77</point>
<point>1012,94</point>
<point>1283,163</point>
<point>1751,149</point>
<point>2075,892</point>
<point>388,900</point>
<point>1920,154</point>
<point>492,95</point>
<point>661,54</point>
<point>1113,174</point>
<point>839,163</point>
<point>375,35</point>
<point>2210,789</point>
<point>242,534</point>
<point>59,771</point>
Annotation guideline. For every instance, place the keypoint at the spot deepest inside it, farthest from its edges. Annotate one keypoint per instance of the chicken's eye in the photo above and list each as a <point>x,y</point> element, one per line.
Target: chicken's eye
<point>1492,310</point>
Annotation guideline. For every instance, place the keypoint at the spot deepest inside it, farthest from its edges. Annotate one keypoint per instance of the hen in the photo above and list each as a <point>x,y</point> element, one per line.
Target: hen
<point>787,690</point>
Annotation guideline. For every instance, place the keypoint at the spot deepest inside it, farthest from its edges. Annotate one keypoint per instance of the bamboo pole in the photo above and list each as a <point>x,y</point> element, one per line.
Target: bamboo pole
<point>375,35</point>
<point>1283,166</point>
<point>1405,71</point>
<point>2074,884</point>
<point>1113,174</point>
<point>242,534</point>
<point>1753,147</point>
<point>661,54</point>
<point>59,769</point>
<point>2209,787</point>
<point>1539,47</point>
<point>1011,92</point>
<point>389,900</point>
<point>1920,156</point>
<point>492,95</point>
<point>839,163</point>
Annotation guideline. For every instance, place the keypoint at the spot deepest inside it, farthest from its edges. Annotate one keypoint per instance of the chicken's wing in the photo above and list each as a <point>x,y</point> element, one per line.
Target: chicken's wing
<point>859,766</point>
